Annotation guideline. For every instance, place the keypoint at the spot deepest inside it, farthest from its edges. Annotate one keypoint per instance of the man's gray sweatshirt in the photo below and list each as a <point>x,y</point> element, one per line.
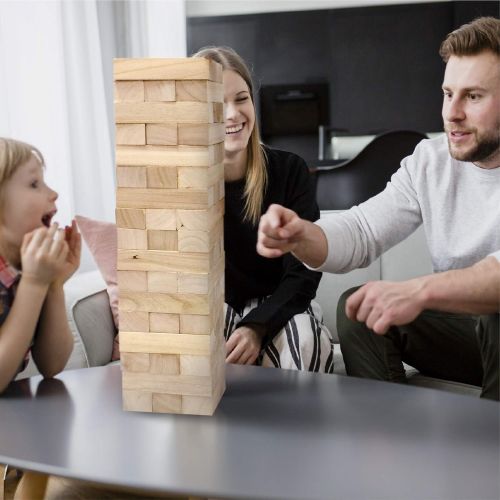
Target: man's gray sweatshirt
<point>457,202</point>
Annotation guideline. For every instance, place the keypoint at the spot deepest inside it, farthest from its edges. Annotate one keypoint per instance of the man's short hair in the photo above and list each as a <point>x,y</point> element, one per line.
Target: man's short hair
<point>470,39</point>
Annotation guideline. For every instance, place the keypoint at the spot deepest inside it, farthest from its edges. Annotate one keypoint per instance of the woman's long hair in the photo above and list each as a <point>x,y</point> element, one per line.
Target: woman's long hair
<point>256,172</point>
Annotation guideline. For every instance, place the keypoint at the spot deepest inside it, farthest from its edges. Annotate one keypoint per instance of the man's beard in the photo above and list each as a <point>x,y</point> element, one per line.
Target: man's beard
<point>486,147</point>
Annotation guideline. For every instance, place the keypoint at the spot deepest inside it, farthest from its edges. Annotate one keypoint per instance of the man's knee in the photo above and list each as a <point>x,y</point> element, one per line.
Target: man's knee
<point>488,329</point>
<point>344,324</point>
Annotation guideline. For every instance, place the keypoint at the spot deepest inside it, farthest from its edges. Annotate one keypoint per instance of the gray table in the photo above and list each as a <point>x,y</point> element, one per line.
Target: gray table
<point>276,434</point>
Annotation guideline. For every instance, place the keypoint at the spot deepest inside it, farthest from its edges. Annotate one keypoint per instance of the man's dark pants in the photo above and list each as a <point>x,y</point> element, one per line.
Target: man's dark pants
<point>456,347</point>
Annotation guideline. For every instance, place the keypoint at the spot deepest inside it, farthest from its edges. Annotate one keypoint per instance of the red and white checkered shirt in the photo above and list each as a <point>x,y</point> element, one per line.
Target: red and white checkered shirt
<point>9,278</point>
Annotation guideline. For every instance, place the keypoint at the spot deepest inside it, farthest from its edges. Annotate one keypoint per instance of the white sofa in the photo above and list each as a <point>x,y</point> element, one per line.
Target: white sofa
<point>92,324</point>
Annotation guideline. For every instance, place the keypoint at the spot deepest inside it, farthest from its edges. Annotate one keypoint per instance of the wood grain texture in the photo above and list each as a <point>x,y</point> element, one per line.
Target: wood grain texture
<point>164,198</point>
<point>199,90</point>
<point>129,91</point>
<point>162,240</point>
<point>132,176</point>
<point>132,281</point>
<point>157,260</point>
<point>168,112</point>
<point>163,219</point>
<point>132,134</point>
<point>169,156</point>
<point>159,90</point>
<point>176,303</point>
<point>167,69</point>
<point>130,218</point>
<point>161,134</point>
<point>165,343</point>
<point>189,385</point>
<point>163,323</point>
<point>200,134</point>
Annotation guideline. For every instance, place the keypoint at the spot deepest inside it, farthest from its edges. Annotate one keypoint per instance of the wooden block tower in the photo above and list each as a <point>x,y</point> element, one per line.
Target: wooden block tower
<point>169,213</point>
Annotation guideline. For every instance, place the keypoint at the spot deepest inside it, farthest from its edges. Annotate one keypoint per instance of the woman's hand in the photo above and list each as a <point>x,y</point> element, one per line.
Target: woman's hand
<point>243,346</point>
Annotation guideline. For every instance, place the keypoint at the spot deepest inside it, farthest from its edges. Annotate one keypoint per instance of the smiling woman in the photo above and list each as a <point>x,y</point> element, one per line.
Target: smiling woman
<point>271,318</point>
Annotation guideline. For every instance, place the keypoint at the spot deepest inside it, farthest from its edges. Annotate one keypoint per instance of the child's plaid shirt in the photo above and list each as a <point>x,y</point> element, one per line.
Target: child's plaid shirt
<point>9,278</point>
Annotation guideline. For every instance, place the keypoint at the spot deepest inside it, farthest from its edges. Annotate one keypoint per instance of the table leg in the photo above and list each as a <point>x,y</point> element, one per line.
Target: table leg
<point>32,486</point>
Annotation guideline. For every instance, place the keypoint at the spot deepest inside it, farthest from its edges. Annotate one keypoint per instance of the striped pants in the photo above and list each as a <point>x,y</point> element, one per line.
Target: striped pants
<point>303,344</point>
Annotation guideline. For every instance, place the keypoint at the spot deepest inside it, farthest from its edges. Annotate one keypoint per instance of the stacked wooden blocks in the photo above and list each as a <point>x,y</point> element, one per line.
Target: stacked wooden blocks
<point>169,213</point>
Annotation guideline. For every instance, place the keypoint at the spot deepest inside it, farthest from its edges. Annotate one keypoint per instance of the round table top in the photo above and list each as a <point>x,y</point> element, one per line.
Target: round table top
<point>275,434</point>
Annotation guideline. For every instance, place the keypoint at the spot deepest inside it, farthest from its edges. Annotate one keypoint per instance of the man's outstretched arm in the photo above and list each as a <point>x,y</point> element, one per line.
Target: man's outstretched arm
<point>474,290</point>
<point>281,231</point>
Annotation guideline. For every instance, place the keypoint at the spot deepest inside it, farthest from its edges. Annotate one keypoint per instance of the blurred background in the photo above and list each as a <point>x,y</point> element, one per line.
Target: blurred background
<point>324,70</point>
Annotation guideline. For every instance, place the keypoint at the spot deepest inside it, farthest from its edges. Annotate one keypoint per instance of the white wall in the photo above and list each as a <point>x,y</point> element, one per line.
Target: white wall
<point>200,8</point>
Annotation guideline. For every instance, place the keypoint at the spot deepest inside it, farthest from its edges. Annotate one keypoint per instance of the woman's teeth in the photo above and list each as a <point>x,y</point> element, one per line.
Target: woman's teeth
<point>235,129</point>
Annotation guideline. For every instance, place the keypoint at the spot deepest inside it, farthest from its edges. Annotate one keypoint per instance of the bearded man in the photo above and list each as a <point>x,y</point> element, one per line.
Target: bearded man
<point>445,324</point>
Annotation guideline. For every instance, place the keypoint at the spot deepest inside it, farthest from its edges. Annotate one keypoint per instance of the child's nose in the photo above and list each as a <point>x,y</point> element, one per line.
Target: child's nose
<point>53,195</point>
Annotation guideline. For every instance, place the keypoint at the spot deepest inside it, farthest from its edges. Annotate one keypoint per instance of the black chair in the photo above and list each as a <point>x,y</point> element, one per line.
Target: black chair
<point>342,186</point>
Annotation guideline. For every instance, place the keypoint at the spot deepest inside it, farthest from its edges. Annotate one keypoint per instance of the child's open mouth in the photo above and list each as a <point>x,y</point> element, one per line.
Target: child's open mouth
<point>47,218</point>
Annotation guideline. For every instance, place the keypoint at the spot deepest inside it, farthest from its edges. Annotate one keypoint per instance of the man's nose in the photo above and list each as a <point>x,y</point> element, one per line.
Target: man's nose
<point>454,110</point>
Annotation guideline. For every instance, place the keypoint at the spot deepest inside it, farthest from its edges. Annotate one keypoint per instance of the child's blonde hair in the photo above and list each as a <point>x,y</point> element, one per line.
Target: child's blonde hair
<point>13,154</point>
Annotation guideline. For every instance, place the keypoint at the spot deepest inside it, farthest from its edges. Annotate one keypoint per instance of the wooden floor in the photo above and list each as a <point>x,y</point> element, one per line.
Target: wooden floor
<point>68,489</point>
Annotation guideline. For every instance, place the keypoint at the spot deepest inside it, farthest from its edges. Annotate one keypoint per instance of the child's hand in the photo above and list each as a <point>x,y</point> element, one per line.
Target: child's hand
<point>44,254</point>
<point>74,240</point>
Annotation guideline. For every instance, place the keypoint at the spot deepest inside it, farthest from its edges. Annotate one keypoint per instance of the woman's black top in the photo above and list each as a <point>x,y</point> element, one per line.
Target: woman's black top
<point>288,285</point>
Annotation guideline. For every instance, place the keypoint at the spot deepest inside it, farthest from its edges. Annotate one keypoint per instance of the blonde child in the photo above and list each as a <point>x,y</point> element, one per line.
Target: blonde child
<point>36,258</point>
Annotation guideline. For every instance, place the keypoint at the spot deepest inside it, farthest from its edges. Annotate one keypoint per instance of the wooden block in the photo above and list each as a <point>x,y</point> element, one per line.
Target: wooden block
<point>162,177</point>
<point>130,218</point>
<point>165,364</point>
<point>193,283</point>
<point>161,134</point>
<point>135,361</point>
<point>202,220</point>
<point>194,199</point>
<point>159,90</point>
<point>195,324</point>
<point>157,260</point>
<point>164,323</point>
<point>162,282</point>
<point>131,177</point>
<point>195,68</point>
<point>199,90</point>
<point>167,384</point>
<point>137,321</point>
<point>165,343</point>
<point>200,134</point>
<point>129,91</point>
<point>195,365</point>
<point>202,405</point>
<point>132,281</point>
<point>176,303</point>
<point>161,219</point>
<point>199,241</point>
<point>167,112</point>
<point>162,240</point>
<point>137,400</point>
<point>193,241</point>
<point>218,112</point>
<point>133,134</point>
<point>200,177</point>
<point>132,239</point>
<point>169,156</point>
<point>167,403</point>
<point>202,282</point>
